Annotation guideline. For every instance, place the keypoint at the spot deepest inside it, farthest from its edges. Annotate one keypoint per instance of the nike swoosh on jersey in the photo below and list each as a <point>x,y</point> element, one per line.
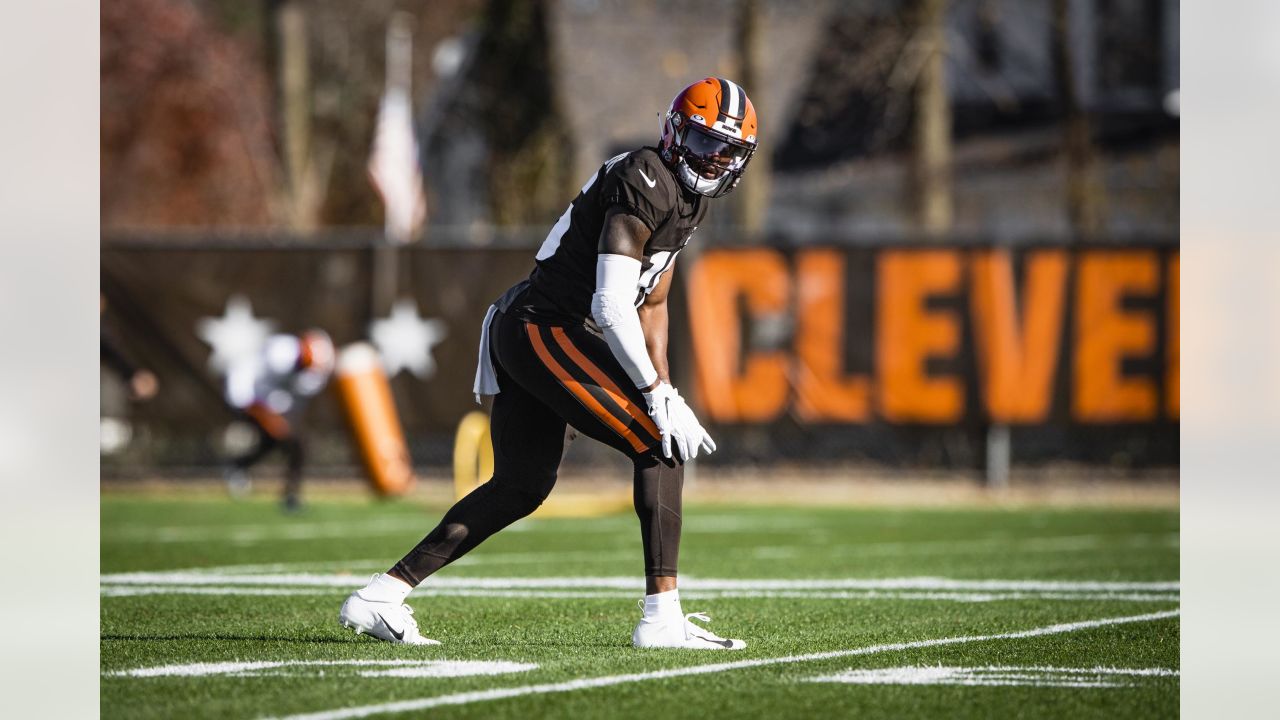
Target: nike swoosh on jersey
<point>646,177</point>
<point>399,634</point>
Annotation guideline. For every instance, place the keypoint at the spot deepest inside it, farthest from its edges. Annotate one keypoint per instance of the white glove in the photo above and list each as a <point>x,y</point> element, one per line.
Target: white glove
<point>676,421</point>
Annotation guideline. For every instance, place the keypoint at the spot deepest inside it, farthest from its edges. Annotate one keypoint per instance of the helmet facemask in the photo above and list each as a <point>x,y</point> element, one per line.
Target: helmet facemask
<point>706,162</point>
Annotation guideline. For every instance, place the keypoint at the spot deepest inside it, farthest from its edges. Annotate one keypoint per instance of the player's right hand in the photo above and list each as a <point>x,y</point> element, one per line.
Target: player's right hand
<point>676,421</point>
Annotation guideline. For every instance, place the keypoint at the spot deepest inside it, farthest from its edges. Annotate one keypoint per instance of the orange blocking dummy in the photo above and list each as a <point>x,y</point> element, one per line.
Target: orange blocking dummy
<point>366,400</point>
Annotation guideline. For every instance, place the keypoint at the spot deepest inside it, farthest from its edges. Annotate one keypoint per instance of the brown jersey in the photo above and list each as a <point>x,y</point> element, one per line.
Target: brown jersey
<point>560,287</point>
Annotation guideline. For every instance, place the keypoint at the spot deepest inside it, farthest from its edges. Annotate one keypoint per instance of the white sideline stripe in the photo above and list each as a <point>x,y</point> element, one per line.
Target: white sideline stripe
<point>941,595</point>
<point>245,534</point>
<point>258,533</point>
<point>368,566</point>
<point>138,590</point>
<point>1048,544</point>
<point>285,531</point>
<point>632,583</point>
<point>1042,544</point>
<point>281,567</point>
<point>596,682</point>
<point>400,668</point>
<point>557,557</point>
<point>993,675</point>
<point>312,531</point>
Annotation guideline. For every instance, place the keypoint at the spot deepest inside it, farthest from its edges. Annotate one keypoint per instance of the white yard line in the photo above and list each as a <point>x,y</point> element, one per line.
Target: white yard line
<point>689,594</point>
<point>995,675</point>
<point>605,681</point>
<point>1050,544</point>
<point>286,530</point>
<point>372,565</point>
<point>266,580</point>
<point>926,547</point>
<point>270,531</point>
<point>551,557</point>
<point>138,590</point>
<point>283,567</point>
<point>393,668</point>
<point>631,583</point>
<point>949,596</point>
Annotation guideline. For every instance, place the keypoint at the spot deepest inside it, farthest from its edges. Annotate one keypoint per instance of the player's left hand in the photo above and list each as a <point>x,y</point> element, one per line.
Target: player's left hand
<point>676,421</point>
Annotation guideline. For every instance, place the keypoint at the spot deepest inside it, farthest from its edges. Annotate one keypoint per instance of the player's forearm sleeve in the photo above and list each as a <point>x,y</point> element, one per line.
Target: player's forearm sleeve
<point>614,310</point>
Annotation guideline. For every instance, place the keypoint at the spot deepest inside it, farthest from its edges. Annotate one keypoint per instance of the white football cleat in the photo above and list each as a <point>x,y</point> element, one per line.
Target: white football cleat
<point>238,483</point>
<point>677,632</point>
<point>388,621</point>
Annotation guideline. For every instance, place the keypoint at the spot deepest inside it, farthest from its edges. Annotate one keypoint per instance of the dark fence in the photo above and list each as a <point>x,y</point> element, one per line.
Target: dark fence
<point>906,354</point>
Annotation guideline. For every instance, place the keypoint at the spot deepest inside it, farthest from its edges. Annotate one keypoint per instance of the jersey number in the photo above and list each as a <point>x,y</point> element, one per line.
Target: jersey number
<point>552,243</point>
<point>659,263</point>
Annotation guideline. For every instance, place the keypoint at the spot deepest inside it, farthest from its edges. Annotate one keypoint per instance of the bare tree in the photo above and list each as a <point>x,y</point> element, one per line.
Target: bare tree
<point>515,105</point>
<point>1085,193</point>
<point>185,126</point>
<point>327,60</point>
<point>931,140</point>
<point>308,156</point>
<point>752,202</point>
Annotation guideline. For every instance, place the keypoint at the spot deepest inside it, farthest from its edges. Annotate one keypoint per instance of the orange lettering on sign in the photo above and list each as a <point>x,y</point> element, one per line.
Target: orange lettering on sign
<point>823,392</point>
<point>908,334</point>
<point>1017,360</point>
<point>757,392</point>
<point>1172,368</point>
<point>1106,333</point>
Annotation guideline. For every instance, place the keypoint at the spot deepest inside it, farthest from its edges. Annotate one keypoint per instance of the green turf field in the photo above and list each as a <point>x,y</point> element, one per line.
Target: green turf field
<point>214,609</point>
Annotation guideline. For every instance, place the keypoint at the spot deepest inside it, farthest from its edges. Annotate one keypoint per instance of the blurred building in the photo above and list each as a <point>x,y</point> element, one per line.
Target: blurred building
<point>518,102</point>
<point>1007,103</point>
<point>834,103</point>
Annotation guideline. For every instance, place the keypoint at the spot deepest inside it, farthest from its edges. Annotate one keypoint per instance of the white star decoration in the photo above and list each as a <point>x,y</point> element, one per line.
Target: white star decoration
<point>405,340</point>
<point>234,336</point>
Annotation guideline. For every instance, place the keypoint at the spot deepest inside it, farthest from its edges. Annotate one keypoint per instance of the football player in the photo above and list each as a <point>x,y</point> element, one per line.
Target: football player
<point>271,390</point>
<point>583,341</point>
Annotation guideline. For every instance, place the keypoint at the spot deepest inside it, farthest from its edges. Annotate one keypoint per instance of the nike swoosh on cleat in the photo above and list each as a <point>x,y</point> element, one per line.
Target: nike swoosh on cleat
<point>721,643</point>
<point>399,634</point>
<point>646,177</point>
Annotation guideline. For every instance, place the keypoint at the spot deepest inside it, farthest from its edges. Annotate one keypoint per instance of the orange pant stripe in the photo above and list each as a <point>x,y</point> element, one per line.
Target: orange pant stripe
<point>640,415</point>
<point>573,386</point>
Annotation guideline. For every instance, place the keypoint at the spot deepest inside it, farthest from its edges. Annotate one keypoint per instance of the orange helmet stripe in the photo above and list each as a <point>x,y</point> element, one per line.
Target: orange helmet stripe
<point>722,102</point>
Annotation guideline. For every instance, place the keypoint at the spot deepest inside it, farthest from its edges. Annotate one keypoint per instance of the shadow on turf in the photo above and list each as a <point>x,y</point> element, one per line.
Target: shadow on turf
<point>340,640</point>
<point>251,638</point>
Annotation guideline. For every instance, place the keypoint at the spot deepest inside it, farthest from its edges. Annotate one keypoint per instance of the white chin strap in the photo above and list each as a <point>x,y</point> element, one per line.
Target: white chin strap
<point>697,183</point>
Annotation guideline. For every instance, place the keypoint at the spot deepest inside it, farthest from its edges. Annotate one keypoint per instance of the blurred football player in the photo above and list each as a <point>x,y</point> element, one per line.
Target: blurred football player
<point>271,390</point>
<point>583,341</point>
